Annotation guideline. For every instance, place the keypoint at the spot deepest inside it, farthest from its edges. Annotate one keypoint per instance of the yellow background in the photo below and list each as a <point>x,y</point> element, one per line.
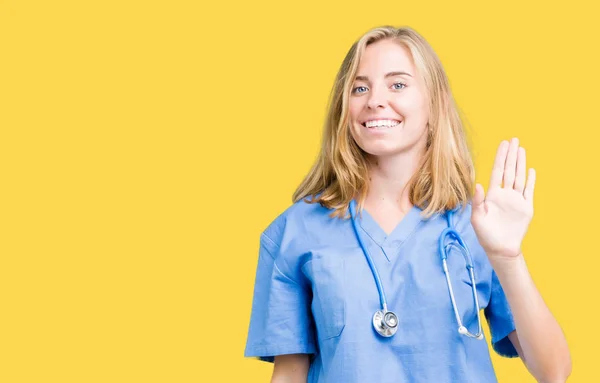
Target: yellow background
<point>145,145</point>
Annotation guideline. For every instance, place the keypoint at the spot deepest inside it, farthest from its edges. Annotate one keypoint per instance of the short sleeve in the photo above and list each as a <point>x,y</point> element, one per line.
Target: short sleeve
<point>280,321</point>
<point>500,320</point>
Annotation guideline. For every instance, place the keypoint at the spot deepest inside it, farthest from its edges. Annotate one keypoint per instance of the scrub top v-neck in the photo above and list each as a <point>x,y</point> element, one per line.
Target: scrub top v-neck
<point>314,293</point>
<point>401,232</point>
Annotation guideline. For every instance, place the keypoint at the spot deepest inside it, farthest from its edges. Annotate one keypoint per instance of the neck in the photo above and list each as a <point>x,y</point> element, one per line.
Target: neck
<point>389,177</point>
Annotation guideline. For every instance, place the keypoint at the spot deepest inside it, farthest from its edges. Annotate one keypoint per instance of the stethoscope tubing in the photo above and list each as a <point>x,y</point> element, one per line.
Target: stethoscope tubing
<point>382,299</point>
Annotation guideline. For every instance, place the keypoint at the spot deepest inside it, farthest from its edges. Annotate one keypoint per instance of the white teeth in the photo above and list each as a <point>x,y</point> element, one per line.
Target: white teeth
<point>381,123</point>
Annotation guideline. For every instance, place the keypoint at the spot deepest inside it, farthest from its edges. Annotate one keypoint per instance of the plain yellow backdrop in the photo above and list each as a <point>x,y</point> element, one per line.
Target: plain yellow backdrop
<point>146,144</point>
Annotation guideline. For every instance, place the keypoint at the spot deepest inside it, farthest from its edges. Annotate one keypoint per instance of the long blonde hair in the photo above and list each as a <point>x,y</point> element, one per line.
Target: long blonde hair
<point>340,173</point>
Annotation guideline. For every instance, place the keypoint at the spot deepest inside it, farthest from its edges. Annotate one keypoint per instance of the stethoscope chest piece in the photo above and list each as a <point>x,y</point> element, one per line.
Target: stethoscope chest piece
<point>385,323</point>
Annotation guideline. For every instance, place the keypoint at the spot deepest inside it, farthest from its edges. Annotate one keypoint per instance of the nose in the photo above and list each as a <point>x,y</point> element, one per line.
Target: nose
<point>377,99</point>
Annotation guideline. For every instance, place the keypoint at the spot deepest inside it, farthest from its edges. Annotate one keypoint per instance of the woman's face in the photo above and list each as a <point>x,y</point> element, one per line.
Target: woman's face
<point>388,105</point>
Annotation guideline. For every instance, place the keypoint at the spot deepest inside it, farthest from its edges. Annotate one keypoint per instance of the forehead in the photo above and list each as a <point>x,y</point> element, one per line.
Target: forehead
<point>383,57</point>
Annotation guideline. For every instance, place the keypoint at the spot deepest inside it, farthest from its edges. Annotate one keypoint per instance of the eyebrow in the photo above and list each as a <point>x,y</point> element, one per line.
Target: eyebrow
<point>390,74</point>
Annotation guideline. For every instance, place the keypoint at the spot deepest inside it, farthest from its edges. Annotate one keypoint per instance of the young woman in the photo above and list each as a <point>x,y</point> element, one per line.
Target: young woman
<point>379,270</point>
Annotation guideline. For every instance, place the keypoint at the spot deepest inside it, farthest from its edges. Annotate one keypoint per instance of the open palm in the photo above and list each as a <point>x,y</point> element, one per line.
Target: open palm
<point>501,217</point>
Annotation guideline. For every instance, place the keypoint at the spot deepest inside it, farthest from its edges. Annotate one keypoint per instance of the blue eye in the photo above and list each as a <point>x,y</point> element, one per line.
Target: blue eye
<point>355,90</point>
<point>399,83</point>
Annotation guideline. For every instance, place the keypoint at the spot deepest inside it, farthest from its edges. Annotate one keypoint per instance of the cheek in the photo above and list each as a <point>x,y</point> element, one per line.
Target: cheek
<point>354,108</point>
<point>354,132</point>
<point>422,106</point>
<point>413,108</point>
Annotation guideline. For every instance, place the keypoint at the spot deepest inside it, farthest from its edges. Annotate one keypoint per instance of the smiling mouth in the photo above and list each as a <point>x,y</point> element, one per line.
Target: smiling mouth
<point>381,125</point>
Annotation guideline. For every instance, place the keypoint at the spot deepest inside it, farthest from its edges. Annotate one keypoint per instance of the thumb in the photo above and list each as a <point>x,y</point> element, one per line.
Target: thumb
<point>478,200</point>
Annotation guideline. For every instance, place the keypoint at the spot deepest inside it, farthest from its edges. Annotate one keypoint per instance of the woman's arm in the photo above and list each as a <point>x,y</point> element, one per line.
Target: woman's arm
<point>291,368</point>
<point>500,219</point>
<point>538,337</point>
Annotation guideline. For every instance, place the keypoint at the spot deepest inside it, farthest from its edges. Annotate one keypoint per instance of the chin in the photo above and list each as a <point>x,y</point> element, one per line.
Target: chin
<point>391,146</point>
<point>379,151</point>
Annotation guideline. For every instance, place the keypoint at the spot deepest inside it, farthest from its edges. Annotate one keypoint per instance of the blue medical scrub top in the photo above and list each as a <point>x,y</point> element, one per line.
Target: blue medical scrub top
<point>314,293</point>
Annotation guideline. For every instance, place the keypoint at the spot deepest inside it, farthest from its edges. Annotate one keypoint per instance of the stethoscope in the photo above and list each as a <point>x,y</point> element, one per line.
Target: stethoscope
<point>385,322</point>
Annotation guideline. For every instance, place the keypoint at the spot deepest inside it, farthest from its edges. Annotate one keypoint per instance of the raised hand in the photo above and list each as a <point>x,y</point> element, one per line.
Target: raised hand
<point>501,217</point>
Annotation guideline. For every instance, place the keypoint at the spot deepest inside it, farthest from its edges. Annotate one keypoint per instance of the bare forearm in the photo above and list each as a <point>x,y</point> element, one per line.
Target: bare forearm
<point>291,368</point>
<point>282,378</point>
<point>542,341</point>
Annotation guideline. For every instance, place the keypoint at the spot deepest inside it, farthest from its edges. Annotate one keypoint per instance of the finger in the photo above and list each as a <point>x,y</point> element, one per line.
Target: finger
<point>478,200</point>
<point>521,170</point>
<point>530,186</point>
<point>511,163</point>
<point>498,169</point>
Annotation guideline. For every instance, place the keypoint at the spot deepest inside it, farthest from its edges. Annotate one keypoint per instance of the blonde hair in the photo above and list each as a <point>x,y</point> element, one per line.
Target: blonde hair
<point>340,173</point>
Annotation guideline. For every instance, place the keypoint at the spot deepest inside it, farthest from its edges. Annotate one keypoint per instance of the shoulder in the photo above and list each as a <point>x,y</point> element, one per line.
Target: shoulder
<point>461,223</point>
<point>293,234</point>
<point>298,221</point>
<point>462,217</point>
